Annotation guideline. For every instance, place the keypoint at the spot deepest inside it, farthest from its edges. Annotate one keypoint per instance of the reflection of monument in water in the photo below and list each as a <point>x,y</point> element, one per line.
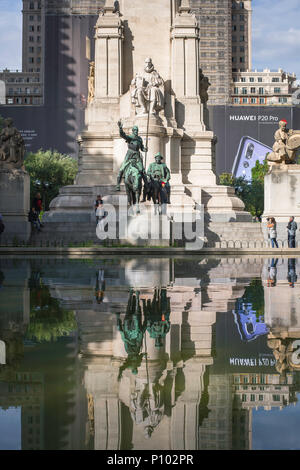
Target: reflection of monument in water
<point>156,400</point>
<point>283,313</point>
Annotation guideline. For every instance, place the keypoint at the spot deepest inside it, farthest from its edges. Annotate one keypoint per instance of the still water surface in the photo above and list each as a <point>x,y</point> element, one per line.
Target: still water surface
<point>168,354</point>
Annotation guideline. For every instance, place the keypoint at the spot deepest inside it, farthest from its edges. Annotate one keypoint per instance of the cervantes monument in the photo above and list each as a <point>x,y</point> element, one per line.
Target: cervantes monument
<point>146,73</point>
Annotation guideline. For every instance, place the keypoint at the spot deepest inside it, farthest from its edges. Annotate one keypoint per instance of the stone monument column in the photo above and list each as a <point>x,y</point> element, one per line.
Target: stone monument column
<point>14,184</point>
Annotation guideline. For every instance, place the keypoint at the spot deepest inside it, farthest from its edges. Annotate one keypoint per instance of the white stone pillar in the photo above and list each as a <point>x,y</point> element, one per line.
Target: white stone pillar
<point>108,54</point>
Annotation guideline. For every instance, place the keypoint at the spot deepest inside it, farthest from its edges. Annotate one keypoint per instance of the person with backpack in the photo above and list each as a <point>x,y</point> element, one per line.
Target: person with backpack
<point>292,228</point>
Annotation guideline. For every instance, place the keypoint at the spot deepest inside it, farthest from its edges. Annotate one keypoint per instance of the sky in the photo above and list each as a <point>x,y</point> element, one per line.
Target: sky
<point>276,34</point>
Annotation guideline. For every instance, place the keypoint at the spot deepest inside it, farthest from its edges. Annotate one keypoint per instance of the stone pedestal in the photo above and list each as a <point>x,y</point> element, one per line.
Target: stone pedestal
<point>14,204</point>
<point>282,196</point>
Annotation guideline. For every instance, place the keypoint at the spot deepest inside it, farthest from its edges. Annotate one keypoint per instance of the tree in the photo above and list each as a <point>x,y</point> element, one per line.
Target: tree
<point>49,171</point>
<point>48,320</point>
<point>250,191</point>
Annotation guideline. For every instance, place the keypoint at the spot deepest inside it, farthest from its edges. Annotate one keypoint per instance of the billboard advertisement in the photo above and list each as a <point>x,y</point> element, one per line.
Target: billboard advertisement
<point>246,133</point>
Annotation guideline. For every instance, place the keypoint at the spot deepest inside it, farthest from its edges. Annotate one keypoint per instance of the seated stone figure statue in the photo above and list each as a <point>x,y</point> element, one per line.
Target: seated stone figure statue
<point>135,146</point>
<point>148,90</point>
<point>12,148</point>
<point>287,142</point>
<point>159,171</point>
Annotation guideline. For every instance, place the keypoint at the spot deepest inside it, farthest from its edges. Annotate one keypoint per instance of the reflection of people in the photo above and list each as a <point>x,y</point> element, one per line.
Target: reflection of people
<point>157,314</point>
<point>1,279</point>
<point>272,277</point>
<point>292,228</point>
<point>146,406</point>
<point>292,276</point>
<point>100,286</point>
<point>132,333</point>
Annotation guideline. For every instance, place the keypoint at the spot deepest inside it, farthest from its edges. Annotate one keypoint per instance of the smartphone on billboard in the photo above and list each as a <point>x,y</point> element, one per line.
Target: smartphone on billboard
<point>248,152</point>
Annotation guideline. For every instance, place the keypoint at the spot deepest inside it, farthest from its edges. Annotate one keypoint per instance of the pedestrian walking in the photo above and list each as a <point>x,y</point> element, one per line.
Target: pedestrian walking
<point>292,228</point>
<point>97,204</point>
<point>33,218</point>
<point>273,232</point>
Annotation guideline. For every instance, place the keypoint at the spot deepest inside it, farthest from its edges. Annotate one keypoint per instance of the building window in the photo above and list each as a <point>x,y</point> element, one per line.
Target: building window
<point>31,5</point>
<point>31,60</point>
<point>242,27</point>
<point>31,39</point>
<point>31,28</point>
<point>10,101</point>
<point>241,5</point>
<point>245,100</point>
<point>236,100</point>
<point>233,27</point>
<point>236,91</point>
<point>233,60</point>
<point>242,17</point>
<point>277,90</point>
<point>251,79</point>
<point>261,398</point>
<point>233,38</point>
<point>27,100</point>
<point>253,100</point>
<point>38,28</point>
<point>10,91</point>
<point>242,48</point>
<point>261,91</point>
<point>259,79</point>
<point>31,49</point>
<point>38,38</point>
<point>275,79</point>
<point>243,79</point>
<point>233,48</point>
<point>252,90</point>
<point>276,397</point>
<point>242,38</point>
<point>244,397</point>
<point>242,59</point>
<point>38,60</point>
<point>19,100</point>
<point>282,100</point>
<point>244,91</point>
<point>252,397</point>
<point>31,18</point>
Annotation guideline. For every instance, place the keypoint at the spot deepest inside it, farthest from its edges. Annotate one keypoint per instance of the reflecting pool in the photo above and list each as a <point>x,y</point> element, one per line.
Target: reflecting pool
<point>149,353</point>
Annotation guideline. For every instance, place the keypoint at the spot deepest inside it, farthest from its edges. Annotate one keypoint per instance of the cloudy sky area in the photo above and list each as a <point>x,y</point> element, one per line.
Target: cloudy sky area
<point>276,34</point>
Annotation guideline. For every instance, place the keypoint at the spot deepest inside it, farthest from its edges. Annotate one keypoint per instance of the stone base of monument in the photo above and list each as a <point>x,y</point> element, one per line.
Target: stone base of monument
<point>282,198</point>
<point>14,204</point>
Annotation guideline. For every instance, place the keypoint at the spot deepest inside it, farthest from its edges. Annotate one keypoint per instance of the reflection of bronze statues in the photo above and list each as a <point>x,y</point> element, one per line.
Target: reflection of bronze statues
<point>287,142</point>
<point>91,82</point>
<point>12,148</point>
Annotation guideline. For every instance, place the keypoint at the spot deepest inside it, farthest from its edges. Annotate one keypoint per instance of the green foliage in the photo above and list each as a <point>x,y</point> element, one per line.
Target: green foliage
<point>251,192</point>
<point>254,294</point>
<point>48,320</point>
<point>49,171</point>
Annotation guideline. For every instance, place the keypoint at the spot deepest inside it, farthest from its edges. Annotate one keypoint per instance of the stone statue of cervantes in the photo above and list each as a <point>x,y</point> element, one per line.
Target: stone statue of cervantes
<point>148,90</point>
<point>12,148</point>
<point>91,82</point>
<point>287,142</point>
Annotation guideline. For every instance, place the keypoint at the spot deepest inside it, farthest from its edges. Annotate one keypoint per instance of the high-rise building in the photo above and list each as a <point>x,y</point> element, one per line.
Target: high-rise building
<point>33,36</point>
